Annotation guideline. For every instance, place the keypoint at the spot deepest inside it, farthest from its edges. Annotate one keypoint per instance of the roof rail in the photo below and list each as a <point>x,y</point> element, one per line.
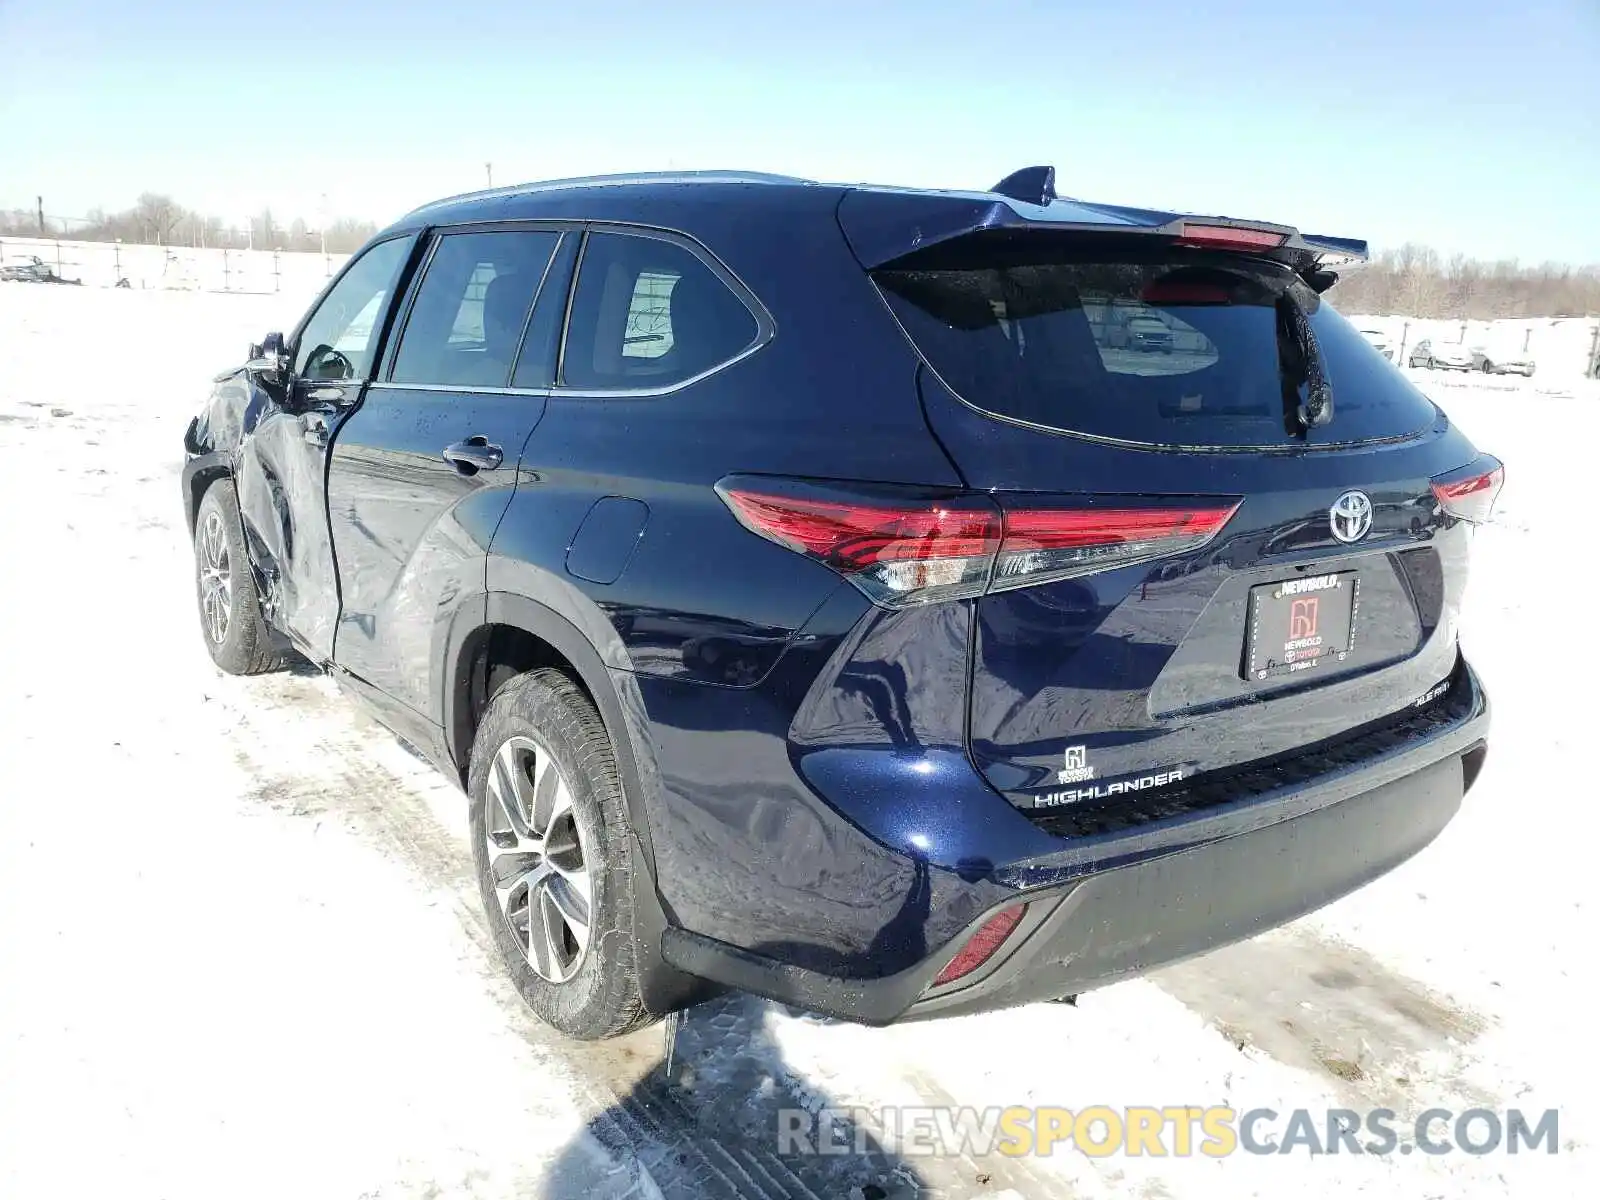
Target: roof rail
<point>1031,185</point>
<point>597,181</point>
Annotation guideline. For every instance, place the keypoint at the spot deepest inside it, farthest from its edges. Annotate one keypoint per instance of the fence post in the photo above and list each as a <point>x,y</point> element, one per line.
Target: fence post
<point>225,285</point>
<point>277,277</point>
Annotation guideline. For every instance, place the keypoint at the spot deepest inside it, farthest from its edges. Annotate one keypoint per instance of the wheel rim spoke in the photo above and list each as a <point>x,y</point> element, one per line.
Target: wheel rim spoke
<point>542,799</point>
<point>576,880</point>
<point>569,905</point>
<point>216,578</point>
<point>509,788</point>
<point>537,860</point>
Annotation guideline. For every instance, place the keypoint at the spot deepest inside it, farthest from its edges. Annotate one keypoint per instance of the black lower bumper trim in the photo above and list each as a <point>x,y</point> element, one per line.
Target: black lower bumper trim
<point>1131,920</point>
<point>1300,766</point>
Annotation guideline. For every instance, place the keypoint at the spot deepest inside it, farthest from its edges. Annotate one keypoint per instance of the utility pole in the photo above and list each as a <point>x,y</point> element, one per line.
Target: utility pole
<point>38,202</point>
<point>488,173</point>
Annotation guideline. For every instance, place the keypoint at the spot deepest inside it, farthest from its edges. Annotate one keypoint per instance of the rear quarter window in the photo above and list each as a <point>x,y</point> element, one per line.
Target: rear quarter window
<point>648,313</point>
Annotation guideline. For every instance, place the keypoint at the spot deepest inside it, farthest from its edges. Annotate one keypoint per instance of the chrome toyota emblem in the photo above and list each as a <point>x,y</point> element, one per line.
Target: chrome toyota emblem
<point>1351,516</point>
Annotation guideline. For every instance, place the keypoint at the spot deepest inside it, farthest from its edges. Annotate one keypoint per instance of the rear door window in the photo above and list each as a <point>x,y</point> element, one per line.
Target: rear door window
<point>648,313</point>
<point>467,320</point>
<point>1164,351</point>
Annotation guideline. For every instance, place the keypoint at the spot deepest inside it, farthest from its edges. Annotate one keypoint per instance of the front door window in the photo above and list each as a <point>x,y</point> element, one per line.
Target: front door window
<point>338,341</point>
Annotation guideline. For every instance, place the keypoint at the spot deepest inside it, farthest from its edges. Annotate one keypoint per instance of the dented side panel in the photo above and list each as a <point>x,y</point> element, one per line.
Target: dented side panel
<point>245,430</point>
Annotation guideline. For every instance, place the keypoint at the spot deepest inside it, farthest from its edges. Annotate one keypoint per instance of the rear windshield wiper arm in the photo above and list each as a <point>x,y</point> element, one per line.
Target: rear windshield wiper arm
<point>1317,407</point>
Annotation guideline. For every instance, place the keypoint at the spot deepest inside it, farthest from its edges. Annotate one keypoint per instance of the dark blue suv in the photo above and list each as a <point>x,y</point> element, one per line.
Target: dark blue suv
<point>817,591</point>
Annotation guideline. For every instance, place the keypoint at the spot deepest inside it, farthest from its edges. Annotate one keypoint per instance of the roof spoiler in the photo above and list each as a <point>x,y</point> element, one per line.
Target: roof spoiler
<point>886,224</point>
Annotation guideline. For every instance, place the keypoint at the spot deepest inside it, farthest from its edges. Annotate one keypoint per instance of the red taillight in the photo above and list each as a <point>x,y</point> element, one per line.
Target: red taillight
<point>910,550</point>
<point>980,947</point>
<point>904,546</point>
<point>1469,494</point>
<point>1230,237</point>
<point>1044,544</point>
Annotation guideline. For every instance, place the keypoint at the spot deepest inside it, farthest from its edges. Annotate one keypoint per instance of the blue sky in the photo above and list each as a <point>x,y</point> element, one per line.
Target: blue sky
<point>1472,125</point>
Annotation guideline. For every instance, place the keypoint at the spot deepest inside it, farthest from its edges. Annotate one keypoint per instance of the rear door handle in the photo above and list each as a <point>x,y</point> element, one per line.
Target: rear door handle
<point>473,455</point>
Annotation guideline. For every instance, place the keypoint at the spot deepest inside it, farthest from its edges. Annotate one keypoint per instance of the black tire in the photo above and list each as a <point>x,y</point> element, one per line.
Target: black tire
<point>602,997</point>
<point>1487,368</point>
<point>246,645</point>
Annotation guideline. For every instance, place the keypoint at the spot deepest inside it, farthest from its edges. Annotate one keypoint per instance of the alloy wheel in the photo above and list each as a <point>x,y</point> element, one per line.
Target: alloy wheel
<point>216,578</point>
<point>537,859</point>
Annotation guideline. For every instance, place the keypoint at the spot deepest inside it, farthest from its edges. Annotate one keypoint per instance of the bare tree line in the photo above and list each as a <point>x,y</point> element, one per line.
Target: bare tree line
<point>158,220</point>
<point>1413,280</point>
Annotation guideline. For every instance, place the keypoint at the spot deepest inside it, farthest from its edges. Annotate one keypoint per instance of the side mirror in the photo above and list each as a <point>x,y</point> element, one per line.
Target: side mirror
<point>269,359</point>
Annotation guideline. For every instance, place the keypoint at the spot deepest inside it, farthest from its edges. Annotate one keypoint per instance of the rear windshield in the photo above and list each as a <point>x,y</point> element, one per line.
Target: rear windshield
<point>1178,351</point>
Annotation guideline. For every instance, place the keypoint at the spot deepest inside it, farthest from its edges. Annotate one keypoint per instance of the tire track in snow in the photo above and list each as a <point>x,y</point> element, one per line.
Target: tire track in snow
<point>672,1134</point>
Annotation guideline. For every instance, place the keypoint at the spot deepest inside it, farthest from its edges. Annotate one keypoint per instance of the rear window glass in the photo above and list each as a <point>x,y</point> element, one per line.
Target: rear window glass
<point>1170,352</point>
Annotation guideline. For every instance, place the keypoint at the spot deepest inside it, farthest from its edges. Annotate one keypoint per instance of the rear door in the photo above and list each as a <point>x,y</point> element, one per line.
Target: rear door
<point>1201,577</point>
<point>422,472</point>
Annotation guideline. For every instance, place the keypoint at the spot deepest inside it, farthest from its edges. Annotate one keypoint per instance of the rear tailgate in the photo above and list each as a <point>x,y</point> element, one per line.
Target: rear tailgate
<point>1325,603</point>
<point>1143,675</point>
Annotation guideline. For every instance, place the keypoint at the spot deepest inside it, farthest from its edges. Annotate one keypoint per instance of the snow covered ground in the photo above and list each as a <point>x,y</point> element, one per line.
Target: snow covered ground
<point>241,956</point>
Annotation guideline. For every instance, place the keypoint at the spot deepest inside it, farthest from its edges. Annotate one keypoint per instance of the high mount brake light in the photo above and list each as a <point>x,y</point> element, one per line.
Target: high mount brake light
<point>1469,493</point>
<point>905,546</point>
<point>1230,237</point>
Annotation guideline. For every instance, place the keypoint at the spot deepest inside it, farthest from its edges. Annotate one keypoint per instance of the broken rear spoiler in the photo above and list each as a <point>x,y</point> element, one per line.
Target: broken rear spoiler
<point>885,225</point>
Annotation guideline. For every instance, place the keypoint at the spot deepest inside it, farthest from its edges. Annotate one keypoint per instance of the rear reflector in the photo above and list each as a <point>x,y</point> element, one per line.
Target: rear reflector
<point>980,947</point>
<point>1469,494</point>
<point>1230,237</point>
<point>904,546</point>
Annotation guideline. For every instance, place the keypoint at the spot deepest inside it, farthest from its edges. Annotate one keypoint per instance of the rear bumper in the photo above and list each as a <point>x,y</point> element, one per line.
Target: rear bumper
<point>1129,921</point>
<point>1156,895</point>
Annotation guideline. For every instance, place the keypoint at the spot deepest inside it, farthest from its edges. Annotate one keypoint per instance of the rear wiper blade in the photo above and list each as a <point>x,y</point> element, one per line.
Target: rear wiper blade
<point>1317,408</point>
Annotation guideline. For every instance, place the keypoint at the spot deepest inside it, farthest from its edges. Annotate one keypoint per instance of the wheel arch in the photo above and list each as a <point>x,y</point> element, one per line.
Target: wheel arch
<point>199,474</point>
<point>523,634</point>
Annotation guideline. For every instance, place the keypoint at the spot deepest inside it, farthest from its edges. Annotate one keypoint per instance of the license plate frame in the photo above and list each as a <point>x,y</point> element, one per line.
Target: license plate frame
<point>1299,625</point>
